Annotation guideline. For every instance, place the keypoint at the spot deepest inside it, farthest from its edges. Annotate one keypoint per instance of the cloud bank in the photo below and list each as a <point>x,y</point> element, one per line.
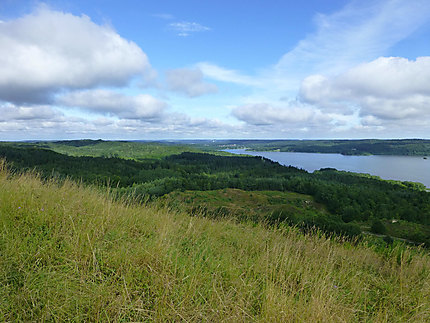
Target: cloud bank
<point>387,88</point>
<point>112,103</point>
<point>267,114</point>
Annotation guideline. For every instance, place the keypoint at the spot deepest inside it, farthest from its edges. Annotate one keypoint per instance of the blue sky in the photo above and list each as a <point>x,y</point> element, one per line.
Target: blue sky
<point>214,69</point>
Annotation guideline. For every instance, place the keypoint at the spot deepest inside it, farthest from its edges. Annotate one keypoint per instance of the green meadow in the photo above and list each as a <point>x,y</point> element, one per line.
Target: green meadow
<point>70,252</point>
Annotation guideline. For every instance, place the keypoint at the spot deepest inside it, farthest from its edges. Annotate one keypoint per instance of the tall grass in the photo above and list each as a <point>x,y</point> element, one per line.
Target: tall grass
<point>68,252</point>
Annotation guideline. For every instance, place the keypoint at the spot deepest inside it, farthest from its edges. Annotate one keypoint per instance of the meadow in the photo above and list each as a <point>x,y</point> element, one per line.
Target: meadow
<point>70,252</point>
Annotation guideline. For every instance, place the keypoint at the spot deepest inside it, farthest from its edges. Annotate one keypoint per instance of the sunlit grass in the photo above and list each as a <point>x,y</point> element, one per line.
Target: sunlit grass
<point>69,252</point>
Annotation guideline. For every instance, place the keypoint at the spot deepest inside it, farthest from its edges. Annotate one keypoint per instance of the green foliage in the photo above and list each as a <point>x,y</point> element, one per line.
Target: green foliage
<point>415,232</point>
<point>350,198</point>
<point>112,149</point>
<point>378,227</point>
<point>388,240</point>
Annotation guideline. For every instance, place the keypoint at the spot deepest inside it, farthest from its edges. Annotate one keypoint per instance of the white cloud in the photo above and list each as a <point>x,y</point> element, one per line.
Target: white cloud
<point>50,50</point>
<point>42,122</point>
<point>386,88</point>
<point>389,77</point>
<point>316,88</point>
<point>185,28</point>
<point>409,107</point>
<point>9,112</point>
<point>141,106</point>
<point>267,114</point>
<point>189,82</point>
<point>227,75</point>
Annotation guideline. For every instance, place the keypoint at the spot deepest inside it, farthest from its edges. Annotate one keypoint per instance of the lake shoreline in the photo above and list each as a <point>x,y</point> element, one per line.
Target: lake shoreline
<point>424,156</point>
<point>403,168</point>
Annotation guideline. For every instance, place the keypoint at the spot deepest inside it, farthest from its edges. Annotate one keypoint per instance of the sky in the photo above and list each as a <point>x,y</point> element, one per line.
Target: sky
<point>199,69</point>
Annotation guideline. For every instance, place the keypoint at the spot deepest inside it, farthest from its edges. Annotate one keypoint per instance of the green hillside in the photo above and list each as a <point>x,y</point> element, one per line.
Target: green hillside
<point>353,202</point>
<point>69,252</point>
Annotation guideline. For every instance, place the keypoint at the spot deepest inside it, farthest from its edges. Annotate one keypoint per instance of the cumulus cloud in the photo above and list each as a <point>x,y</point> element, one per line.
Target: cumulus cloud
<point>108,102</point>
<point>10,112</point>
<point>409,107</point>
<point>389,77</point>
<point>185,28</point>
<point>49,50</point>
<point>36,122</point>
<point>267,114</point>
<point>189,82</point>
<point>386,88</point>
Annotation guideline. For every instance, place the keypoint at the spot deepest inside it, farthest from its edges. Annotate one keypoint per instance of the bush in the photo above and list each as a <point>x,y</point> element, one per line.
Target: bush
<point>378,227</point>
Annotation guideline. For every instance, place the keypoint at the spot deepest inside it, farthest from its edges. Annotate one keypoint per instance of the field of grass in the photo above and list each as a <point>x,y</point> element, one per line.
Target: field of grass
<point>69,252</point>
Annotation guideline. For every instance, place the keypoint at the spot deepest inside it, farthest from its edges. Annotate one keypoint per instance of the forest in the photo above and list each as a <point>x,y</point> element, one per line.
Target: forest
<point>333,201</point>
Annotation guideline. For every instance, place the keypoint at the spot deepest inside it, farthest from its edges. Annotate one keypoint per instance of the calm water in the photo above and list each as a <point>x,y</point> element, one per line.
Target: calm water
<point>403,168</point>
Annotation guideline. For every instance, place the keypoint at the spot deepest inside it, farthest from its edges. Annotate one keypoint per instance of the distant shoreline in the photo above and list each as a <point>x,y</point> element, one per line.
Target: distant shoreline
<point>374,165</point>
<point>365,147</point>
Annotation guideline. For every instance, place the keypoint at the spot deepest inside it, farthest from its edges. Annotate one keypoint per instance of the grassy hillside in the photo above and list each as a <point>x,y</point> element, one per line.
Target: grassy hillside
<point>70,253</point>
<point>352,200</point>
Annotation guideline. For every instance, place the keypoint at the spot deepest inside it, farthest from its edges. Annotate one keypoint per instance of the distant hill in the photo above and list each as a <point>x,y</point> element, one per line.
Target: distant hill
<point>410,147</point>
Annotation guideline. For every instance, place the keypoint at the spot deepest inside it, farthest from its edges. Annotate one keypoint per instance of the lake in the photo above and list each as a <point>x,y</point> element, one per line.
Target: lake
<point>403,168</point>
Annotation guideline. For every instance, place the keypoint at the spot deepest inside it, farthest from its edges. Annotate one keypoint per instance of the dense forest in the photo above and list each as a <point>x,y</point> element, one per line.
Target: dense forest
<point>353,202</point>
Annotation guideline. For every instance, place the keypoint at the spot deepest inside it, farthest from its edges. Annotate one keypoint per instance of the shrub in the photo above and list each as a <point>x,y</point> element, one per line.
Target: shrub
<point>378,227</point>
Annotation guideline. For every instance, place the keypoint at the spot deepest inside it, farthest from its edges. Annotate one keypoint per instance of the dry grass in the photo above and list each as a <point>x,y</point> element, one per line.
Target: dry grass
<point>68,252</point>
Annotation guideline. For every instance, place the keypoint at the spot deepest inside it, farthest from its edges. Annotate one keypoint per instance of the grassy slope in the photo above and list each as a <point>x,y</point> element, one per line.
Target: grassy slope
<point>69,252</point>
